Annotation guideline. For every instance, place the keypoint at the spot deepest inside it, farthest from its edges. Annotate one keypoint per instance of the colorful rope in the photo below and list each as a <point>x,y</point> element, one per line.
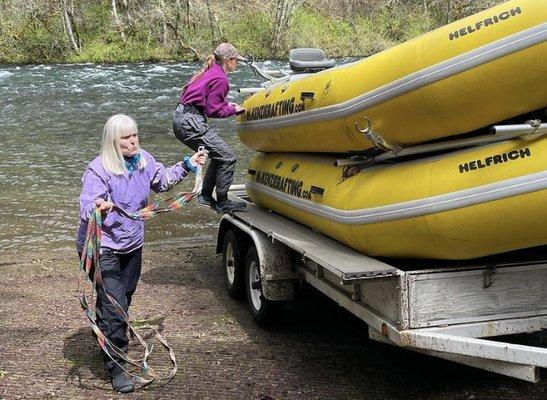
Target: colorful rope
<point>90,265</point>
<point>161,206</point>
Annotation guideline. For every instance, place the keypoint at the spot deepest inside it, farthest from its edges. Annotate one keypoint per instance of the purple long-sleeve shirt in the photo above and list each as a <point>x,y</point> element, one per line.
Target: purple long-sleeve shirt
<point>209,93</point>
<point>128,191</point>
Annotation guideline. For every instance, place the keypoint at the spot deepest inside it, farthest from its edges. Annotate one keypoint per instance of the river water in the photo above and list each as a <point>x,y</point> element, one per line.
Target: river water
<point>51,122</point>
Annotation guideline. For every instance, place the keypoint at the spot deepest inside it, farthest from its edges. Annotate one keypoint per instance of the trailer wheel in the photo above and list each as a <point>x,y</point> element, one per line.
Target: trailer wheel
<point>233,266</point>
<point>264,311</point>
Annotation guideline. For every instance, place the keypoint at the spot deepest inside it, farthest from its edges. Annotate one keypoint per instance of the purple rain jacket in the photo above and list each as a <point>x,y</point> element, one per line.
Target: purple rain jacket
<point>209,93</point>
<point>128,191</point>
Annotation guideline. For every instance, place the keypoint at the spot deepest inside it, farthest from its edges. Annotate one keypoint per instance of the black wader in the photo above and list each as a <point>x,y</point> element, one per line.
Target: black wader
<point>191,128</point>
<point>120,273</point>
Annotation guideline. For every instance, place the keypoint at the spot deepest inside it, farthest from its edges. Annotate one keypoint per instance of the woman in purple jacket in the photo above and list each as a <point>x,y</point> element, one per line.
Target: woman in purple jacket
<point>122,175</point>
<point>204,96</point>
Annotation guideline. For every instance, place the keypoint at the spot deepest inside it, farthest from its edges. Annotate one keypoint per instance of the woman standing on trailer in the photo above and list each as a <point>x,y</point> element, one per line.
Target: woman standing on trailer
<point>204,96</point>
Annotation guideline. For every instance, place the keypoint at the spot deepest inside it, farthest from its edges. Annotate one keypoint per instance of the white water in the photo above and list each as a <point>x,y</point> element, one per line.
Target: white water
<point>51,118</point>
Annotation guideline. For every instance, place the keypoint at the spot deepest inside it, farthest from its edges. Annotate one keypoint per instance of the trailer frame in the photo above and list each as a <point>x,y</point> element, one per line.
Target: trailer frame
<point>446,311</point>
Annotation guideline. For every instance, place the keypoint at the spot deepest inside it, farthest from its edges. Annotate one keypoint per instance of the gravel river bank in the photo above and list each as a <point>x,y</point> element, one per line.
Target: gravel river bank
<point>317,351</point>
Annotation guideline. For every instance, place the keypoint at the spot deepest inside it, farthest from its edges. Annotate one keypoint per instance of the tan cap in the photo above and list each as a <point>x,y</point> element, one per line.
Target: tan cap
<point>225,51</point>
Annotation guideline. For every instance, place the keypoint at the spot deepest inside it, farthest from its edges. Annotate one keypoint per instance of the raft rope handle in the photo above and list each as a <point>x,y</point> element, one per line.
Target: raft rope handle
<point>90,260</point>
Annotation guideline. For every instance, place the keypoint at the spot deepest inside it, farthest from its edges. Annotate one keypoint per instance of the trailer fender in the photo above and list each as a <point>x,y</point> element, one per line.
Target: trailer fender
<point>276,271</point>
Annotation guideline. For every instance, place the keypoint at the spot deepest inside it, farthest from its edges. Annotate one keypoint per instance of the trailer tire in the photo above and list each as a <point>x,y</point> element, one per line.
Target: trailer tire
<point>264,311</point>
<point>233,266</point>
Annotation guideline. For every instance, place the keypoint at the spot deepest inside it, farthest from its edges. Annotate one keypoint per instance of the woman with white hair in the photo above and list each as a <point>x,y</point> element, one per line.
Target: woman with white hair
<point>204,96</point>
<point>122,175</point>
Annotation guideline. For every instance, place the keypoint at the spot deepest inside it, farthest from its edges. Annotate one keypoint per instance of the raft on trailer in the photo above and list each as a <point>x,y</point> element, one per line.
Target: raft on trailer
<point>469,74</point>
<point>459,205</point>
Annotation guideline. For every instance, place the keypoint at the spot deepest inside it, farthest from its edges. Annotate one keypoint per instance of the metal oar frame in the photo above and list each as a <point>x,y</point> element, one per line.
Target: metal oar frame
<point>530,130</point>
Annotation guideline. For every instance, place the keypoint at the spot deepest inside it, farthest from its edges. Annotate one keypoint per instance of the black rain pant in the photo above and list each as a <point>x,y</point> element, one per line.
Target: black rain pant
<point>191,128</point>
<point>120,274</point>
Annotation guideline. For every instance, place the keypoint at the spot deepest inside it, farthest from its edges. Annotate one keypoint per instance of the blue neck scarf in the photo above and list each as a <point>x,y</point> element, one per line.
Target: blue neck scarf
<point>132,163</point>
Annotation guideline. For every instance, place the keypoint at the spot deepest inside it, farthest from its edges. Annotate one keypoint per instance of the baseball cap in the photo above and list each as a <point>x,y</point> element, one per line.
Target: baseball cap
<point>225,51</point>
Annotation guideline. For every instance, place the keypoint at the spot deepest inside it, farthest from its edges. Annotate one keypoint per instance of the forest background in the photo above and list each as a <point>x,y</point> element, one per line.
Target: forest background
<point>73,31</point>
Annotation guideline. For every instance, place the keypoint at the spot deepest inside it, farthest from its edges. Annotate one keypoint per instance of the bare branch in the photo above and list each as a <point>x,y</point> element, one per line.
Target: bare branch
<point>69,26</point>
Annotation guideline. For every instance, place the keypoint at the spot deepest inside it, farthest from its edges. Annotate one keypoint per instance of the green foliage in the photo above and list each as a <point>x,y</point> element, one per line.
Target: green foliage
<point>97,18</point>
<point>37,42</point>
<point>98,51</point>
<point>101,51</point>
<point>313,30</point>
<point>370,37</point>
<point>29,39</point>
<point>250,32</point>
<point>360,35</point>
<point>403,23</point>
<point>34,32</point>
<point>101,43</point>
<point>7,41</point>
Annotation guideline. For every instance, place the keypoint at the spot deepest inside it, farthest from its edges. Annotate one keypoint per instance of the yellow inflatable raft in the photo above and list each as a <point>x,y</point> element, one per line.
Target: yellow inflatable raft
<point>460,205</point>
<point>466,75</point>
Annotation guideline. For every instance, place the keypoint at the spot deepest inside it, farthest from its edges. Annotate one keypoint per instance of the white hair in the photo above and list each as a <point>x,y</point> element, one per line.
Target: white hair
<point>111,154</point>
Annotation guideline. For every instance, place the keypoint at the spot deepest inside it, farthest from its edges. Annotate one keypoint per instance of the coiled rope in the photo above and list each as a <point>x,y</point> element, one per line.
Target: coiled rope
<point>90,266</point>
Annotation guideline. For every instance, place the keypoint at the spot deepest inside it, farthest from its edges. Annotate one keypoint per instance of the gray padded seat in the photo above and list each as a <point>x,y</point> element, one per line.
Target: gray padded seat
<point>309,60</point>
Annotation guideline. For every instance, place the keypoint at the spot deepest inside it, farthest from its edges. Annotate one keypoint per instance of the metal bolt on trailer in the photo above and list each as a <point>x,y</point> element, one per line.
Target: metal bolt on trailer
<point>446,312</point>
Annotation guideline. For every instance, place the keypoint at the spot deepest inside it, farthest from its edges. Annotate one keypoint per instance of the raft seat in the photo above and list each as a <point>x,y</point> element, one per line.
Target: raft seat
<point>309,60</point>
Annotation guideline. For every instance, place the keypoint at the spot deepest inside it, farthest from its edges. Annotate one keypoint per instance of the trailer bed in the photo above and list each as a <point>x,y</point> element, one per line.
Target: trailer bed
<point>444,310</point>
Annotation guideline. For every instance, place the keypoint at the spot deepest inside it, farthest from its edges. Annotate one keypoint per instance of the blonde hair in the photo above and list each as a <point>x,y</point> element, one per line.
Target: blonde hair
<point>208,64</point>
<point>111,154</point>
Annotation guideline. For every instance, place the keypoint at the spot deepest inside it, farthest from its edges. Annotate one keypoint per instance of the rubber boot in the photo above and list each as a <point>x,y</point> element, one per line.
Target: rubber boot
<point>225,205</point>
<point>207,200</point>
<point>121,383</point>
